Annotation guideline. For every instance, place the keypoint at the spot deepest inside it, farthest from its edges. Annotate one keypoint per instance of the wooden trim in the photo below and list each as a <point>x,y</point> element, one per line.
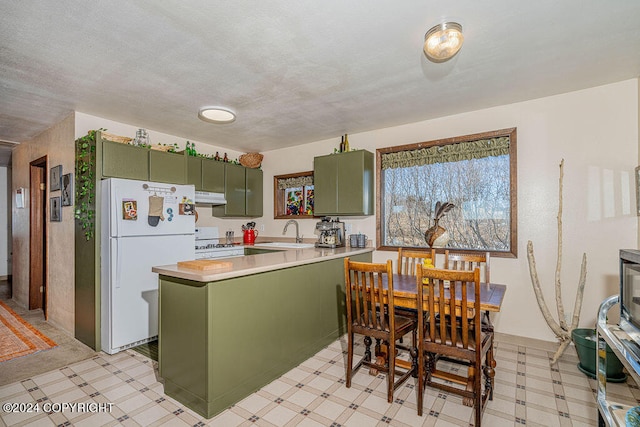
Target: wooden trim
<point>38,233</point>
<point>278,196</point>
<point>513,174</point>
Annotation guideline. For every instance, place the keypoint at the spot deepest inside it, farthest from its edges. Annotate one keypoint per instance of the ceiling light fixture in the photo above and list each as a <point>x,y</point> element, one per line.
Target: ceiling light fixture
<point>443,41</point>
<point>217,115</point>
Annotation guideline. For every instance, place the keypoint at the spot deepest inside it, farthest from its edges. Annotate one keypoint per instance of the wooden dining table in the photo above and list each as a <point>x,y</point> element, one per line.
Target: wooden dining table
<point>405,293</point>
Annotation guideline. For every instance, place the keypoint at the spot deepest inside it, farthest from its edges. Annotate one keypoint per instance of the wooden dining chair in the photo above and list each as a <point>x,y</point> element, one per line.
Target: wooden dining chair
<point>370,312</point>
<point>460,336</point>
<point>468,262</point>
<point>409,258</point>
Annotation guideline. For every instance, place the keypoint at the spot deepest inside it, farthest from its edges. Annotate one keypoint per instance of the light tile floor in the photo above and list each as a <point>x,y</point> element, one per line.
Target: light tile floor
<point>528,392</point>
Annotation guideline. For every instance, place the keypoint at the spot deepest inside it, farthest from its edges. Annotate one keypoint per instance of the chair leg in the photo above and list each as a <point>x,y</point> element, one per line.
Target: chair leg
<point>367,349</point>
<point>421,374</point>
<point>490,372</point>
<point>349,358</point>
<point>478,398</point>
<point>391,357</point>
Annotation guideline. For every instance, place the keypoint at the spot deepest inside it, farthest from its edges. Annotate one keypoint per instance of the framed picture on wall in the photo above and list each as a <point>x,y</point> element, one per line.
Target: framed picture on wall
<point>55,209</point>
<point>67,189</point>
<point>54,178</point>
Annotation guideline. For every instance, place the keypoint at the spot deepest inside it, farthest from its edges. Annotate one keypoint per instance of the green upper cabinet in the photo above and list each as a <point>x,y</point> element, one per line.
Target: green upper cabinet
<point>194,172</point>
<point>243,192</point>
<point>253,196</point>
<point>343,184</point>
<point>213,176</point>
<point>205,174</point>
<point>124,161</point>
<point>167,167</point>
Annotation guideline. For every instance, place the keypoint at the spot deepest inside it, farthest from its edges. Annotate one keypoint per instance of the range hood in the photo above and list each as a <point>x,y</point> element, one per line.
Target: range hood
<point>208,198</point>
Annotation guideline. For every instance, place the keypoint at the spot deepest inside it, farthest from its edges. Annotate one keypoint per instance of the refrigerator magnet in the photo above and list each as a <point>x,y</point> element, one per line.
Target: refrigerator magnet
<point>129,210</point>
<point>187,209</point>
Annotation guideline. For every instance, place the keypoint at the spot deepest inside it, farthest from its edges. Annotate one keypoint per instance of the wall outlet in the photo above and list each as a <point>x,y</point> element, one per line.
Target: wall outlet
<point>348,228</point>
<point>262,227</point>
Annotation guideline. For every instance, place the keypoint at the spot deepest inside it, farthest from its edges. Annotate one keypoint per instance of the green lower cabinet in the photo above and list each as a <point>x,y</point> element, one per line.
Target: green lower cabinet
<point>221,341</point>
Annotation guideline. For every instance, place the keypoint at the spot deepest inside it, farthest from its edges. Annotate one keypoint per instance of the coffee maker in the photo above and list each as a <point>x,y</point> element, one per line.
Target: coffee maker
<point>331,233</point>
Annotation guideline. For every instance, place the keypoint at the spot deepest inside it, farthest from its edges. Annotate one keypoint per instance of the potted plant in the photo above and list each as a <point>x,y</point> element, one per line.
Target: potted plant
<point>586,344</point>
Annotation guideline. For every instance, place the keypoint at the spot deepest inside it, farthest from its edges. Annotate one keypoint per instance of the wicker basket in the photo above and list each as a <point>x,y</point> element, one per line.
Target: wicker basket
<point>251,160</point>
<point>116,138</point>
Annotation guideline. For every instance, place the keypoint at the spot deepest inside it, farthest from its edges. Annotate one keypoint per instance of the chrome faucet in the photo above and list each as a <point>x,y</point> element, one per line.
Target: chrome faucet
<point>293,221</point>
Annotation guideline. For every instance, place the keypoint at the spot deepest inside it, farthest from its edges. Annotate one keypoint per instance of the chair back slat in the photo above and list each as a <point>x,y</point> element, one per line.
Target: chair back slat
<point>408,259</point>
<point>468,262</point>
<point>365,289</point>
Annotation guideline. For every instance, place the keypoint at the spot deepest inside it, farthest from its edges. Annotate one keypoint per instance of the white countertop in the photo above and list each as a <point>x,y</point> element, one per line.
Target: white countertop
<point>252,264</point>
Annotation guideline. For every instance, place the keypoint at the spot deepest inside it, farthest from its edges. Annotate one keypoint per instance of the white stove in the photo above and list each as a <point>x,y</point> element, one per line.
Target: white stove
<point>208,245</point>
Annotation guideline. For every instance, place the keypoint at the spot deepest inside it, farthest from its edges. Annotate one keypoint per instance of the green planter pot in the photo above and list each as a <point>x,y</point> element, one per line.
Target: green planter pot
<point>585,342</point>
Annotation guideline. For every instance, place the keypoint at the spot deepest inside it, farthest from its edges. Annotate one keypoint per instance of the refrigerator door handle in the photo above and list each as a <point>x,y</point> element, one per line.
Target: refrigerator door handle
<point>118,263</point>
<point>115,215</point>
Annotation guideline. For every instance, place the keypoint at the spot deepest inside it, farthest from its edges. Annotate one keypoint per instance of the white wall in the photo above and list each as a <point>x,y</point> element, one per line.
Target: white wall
<point>5,223</point>
<point>594,130</point>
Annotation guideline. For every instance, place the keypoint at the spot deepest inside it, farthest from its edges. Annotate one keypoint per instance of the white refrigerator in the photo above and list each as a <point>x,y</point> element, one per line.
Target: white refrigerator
<point>144,224</point>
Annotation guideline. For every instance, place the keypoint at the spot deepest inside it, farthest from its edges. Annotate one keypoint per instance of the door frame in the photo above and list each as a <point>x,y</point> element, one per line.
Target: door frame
<point>38,233</point>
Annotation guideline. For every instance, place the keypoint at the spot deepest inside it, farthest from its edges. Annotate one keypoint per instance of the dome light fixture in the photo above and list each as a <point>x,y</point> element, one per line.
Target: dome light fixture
<point>219,115</point>
<point>443,41</point>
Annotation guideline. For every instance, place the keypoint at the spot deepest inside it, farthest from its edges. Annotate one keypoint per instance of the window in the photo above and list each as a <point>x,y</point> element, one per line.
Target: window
<point>293,195</point>
<point>477,173</point>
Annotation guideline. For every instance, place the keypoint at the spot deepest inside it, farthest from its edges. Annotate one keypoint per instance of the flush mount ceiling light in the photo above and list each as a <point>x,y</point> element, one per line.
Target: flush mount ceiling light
<point>217,115</point>
<point>443,41</point>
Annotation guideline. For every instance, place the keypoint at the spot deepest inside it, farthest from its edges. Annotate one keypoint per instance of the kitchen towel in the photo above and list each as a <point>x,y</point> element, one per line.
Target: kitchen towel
<point>155,210</point>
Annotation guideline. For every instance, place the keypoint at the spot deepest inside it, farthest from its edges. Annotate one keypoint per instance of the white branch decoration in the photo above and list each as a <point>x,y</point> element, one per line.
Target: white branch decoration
<point>559,328</point>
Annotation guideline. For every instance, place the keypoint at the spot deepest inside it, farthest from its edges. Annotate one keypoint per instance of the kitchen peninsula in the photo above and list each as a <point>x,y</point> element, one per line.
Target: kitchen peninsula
<point>225,334</point>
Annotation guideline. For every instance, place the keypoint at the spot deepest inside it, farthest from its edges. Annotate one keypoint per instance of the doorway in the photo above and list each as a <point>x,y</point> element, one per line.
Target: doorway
<point>38,235</point>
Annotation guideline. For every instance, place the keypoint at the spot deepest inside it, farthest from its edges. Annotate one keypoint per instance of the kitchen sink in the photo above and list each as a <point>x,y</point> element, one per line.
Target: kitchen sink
<point>251,250</point>
<point>286,245</point>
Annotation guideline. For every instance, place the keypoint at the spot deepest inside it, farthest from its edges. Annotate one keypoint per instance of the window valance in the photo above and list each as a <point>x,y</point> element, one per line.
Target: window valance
<point>447,153</point>
<point>299,181</point>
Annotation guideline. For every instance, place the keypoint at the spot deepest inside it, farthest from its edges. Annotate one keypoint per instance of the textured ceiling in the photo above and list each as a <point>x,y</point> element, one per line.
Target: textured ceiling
<point>296,71</point>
